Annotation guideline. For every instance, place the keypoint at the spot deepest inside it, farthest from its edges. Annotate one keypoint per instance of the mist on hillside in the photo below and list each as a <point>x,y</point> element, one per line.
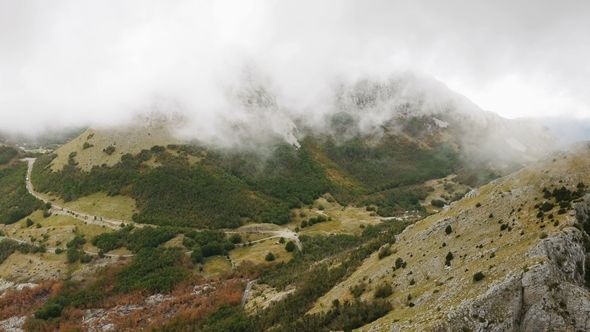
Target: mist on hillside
<point>240,73</point>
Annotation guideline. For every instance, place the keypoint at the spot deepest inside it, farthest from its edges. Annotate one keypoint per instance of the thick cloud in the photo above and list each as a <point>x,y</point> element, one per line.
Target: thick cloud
<point>71,62</point>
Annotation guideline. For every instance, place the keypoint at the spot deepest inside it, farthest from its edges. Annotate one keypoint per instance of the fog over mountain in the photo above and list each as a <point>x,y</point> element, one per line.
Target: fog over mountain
<point>74,63</point>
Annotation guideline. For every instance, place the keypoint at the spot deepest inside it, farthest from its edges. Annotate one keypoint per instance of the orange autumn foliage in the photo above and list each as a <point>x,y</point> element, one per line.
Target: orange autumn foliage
<point>18,303</point>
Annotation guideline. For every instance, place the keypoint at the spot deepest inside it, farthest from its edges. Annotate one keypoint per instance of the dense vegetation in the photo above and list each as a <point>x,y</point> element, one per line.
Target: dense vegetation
<point>228,187</point>
<point>15,201</point>
<point>6,154</point>
<point>155,269</point>
<point>340,256</point>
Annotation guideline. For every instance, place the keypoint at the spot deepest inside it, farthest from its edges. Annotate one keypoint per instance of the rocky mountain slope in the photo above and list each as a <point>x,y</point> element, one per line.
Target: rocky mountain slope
<point>512,256</point>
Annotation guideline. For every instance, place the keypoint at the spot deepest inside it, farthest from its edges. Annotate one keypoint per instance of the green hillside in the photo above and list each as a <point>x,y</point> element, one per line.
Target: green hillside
<point>228,187</point>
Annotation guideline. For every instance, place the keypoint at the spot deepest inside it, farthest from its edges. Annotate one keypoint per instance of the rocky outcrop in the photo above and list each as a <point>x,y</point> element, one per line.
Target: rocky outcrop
<point>549,296</point>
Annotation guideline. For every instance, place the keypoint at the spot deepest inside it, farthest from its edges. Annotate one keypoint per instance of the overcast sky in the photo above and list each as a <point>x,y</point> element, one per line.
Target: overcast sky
<point>72,62</point>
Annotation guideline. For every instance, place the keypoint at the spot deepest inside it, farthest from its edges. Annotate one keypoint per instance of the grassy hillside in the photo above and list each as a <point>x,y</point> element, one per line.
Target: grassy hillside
<point>188,185</point>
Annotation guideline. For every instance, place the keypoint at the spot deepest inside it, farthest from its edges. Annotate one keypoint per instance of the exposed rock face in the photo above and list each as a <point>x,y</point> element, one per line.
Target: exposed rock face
<point>545,297</point>
<point>13,324</point>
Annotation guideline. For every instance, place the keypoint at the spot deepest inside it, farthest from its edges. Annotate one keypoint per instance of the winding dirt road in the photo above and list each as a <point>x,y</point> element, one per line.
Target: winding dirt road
<point>52,249</point>
<point>85,217</point>
<point>116,223</point>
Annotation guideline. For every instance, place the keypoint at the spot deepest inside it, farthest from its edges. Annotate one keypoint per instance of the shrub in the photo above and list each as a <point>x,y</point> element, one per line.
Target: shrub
<point>321,207</point>
<point>269,257</point>
<point>109,150</point>
<point>384,252</point>
<point>478,205</point>
<point>282,240</point>
<point>228,245</point>
<point>383,291</point>
<point>478,276</point>
<point>358,290</point>
<point>412,282</point>
<point>157,149</point>
<point>303,223</point>
<point>449,258</point>
<point>197,255</point>
<point>547,206</point>
<point>437,203</point>
<point>235,238</point>
<point>399,263</point>
<point>448,229</point>
<point>290,246</point>
<point>29,222</point>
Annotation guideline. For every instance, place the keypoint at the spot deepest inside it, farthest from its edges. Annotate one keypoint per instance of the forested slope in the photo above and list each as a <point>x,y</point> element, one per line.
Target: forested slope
<point>228,187</point>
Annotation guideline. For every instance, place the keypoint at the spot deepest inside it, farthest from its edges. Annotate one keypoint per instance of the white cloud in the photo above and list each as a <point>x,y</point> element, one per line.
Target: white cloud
<point>97,61</point>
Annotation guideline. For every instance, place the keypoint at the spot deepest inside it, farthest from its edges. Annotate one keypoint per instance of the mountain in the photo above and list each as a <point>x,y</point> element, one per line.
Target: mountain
<point>511,256</point>
<point>376,146</point>
<point>369,214</point>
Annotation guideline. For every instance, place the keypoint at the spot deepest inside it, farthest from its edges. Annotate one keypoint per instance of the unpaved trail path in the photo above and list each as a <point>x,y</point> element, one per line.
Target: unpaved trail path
<point>285,233</point>
<point>52,249</point>
<point>247,292</point>
<point>83,216</point>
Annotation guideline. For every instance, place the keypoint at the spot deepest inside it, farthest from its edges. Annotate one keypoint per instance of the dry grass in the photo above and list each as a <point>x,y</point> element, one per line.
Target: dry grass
<point>99,204</point>
<point>34,268</point>
<point>446,187</point>
<point>126,139</point>
<point>261,296</point>
<point>258,251</point>
<point>475,237</point>
<point>216,265</point>
<point>344,219</point>
<point>175,242</point>
<point>56,228</point>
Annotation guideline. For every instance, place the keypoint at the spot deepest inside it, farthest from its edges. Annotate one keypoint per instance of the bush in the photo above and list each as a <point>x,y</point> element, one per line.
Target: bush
<point>303,223</point>
<point>399,263</point>
<point>290,246</point>
<point>384,252</point>
<point>29,222</point>
<point>448,229</point>
<point>478,276</point>
<point>228,246</point>
<point>236,238</point>
<point>547,206</point>
<point>269,257</point>
<point>437,203</point>
<point>383,291</point>
<point>109,150</point>
<point>449,258</point>
<point>197,255</point>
